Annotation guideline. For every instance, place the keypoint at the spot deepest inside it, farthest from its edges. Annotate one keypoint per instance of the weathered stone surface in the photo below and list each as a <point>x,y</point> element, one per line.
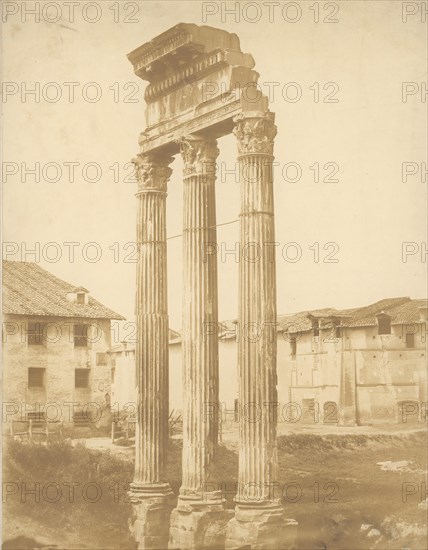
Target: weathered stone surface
<point>184,41</point>
<point>200,313</point>
<point>150,521</point>
<point>259,521</point>
<point>261,531</point>
<point>198,83</point>
<point>347,389</point>
<point>196,516</point>
<point>199,527</point>
<point>257,309</point>
<point>198,79</point>
<point>59,390</point>
<point>151,439</point>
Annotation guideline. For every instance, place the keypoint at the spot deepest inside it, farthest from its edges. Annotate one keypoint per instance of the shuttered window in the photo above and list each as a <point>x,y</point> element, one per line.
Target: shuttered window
<point>81,378</point>
<point>36,377</point>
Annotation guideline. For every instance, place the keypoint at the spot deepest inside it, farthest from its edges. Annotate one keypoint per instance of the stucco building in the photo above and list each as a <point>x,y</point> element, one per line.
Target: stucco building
<point>357,366</point>
<point>354,366</point>
<point>123,380</point>
<point>55,339</point>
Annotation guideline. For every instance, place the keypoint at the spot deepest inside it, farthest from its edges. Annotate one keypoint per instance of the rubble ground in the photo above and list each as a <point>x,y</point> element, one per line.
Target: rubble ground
<point>347,490</point>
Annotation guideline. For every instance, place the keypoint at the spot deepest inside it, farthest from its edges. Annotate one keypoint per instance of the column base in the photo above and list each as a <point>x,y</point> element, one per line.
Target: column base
<point>149,524</point>
<point>199,524</point>
<point>264,528</point>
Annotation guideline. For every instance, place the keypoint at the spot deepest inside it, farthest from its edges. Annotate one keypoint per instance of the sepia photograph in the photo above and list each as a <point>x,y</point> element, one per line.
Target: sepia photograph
<point>214,275</point>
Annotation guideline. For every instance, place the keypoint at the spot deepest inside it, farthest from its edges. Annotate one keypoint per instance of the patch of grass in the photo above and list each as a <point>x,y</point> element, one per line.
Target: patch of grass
<point>74,488</point>
<point>331,484</point>
<point>342,487</point>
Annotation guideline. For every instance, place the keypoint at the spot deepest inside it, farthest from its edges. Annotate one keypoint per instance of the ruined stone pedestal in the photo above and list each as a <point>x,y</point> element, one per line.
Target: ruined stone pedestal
<point>199,525</point>
<point>150,520</point>
<point>261,529</point>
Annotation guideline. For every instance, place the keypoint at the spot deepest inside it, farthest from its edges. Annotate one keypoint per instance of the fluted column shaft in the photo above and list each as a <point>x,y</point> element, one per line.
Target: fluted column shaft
<point>257,313</point>
<point>200,314</point>
<point>152,350</point>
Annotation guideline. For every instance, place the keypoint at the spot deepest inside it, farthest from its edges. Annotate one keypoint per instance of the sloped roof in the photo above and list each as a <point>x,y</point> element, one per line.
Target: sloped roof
<point>29,289</point>
<point>297,322</point>
<point>407,312</point>
<point>402,310</point>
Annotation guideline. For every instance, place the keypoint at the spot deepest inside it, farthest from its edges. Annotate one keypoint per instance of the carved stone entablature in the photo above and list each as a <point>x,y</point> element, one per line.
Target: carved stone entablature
<point>178,45</point>
<point>152,171</point>
<point>255,134</point>
<point>188,67</point>
<point>214,63</point>
<point>185,75</point>
<point>199,155</point>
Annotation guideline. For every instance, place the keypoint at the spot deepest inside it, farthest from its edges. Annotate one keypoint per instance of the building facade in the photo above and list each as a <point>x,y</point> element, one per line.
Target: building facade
<point>121,359</point>
<point>355,367</point>
<point>359,366</point>
<point>55,342</point>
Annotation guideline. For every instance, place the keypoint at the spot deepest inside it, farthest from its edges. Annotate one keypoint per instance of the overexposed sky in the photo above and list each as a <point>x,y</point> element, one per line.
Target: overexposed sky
<point>362,61</point>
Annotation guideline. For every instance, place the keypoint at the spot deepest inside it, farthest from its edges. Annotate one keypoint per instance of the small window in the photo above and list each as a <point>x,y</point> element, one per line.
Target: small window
<point>81,298</point>
<point>384,324</point>
<point>101,359</point>
<point>36,377</point>
<point>80,336</point>
<point>316,330</point>
<point>410,340</point>
<point>293,347</point>
<point>81,378</point>
<point>35,332</point>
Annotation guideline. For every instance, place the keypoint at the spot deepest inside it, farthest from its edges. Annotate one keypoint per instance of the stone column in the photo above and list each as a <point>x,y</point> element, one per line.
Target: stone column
<point>199,520</point>
<point>149,491</point>
<point>259,517</point>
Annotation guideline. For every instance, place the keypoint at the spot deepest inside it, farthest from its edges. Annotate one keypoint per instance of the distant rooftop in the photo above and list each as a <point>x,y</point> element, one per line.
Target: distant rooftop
<point>29,289</point>
<point>401,310</point>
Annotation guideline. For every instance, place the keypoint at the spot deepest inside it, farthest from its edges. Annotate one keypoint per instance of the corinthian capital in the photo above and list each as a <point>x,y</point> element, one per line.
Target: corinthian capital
<point>199,155</point>
<point>255,134</point>
<point>152,171</point>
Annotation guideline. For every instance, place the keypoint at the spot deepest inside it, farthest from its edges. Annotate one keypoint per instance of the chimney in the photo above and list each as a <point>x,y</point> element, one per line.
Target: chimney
<point>79,296</point>
<point>423,313</point>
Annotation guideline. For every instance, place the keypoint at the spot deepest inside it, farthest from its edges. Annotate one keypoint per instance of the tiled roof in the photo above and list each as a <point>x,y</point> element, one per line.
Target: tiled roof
<point>30,290</point>
<point>298,322</point>
<point>407,312</point>
<point>401,310</point>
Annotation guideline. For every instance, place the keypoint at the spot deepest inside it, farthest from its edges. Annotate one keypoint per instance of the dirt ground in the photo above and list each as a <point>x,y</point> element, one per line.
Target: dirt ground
<point>350,490</point>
